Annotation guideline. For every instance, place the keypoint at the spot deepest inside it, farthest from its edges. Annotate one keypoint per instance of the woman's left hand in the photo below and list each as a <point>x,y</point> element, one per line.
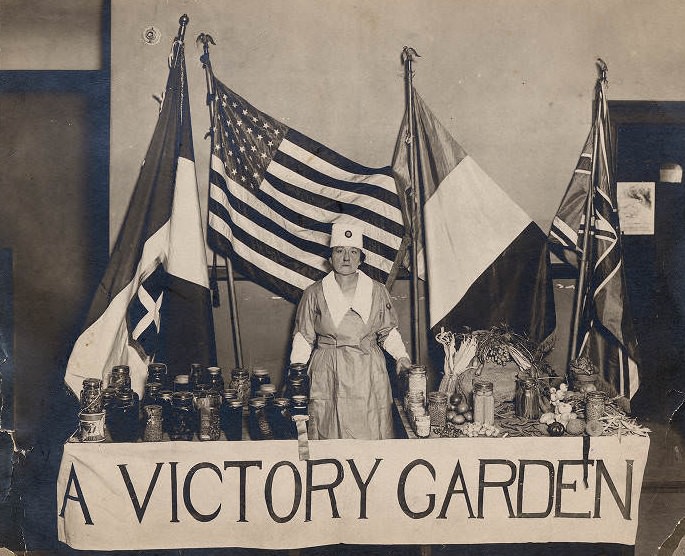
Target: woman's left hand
<point>403,364</point>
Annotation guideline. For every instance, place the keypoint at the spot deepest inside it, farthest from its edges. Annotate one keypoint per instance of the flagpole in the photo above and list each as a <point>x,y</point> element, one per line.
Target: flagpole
<point>581,294</point>
<point>408,54</point>
<point>206,39</point>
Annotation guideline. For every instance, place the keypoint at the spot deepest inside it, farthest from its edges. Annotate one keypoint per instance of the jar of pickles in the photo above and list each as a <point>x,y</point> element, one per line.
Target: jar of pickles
<point>182,425</point>
<point>91,396</point>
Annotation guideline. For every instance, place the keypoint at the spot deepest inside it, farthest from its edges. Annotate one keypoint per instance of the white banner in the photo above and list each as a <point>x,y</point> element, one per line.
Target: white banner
<point>434,491</point>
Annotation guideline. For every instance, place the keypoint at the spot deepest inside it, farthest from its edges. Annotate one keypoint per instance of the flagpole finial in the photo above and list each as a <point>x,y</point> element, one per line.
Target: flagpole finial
<point>409,53</point>
<point>183,23</point>
<point>603,69</point>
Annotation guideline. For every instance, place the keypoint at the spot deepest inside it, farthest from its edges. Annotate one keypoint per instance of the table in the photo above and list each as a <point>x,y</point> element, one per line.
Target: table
<point>424,491</point>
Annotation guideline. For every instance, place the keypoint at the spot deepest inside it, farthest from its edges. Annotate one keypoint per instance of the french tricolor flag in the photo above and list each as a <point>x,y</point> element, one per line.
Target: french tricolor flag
<point>485,260</point>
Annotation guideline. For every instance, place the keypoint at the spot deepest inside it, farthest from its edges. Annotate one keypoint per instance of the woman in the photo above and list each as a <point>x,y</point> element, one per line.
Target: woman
<point>342,322</point>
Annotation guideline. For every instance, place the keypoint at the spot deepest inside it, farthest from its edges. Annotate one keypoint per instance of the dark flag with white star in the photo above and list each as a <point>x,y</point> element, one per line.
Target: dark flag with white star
<point>274,194</point>
<point>153,303</point>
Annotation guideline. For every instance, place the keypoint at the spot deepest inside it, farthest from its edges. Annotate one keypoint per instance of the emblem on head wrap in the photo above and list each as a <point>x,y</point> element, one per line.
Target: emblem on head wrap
<point>348,233</point>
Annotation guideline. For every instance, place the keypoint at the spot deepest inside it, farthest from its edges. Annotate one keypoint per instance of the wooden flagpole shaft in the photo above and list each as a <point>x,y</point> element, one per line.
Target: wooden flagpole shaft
<point>232,299</point>
<point>408,54</point>
<point>581,294</point>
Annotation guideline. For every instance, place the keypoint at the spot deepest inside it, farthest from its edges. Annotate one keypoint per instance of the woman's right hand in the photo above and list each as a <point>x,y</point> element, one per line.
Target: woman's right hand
<point>403,364</point>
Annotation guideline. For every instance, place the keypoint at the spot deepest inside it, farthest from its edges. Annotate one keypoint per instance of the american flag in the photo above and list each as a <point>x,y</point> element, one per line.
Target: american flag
<point>274,194</point>
<point>606,332</point>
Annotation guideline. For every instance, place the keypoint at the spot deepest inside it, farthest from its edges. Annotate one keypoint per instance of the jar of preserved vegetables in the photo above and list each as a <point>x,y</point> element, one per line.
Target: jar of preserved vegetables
<point>153,423</point>
<point>91,396</point>
<point>283,426</point>
<point>297,382</point>
<point>209,423</point>
<point>120,377</point>
<point>157,372</point>
<point>259,377</point>
<point>183,418</point>
<point>151,394</point>
<point>165,400</point>
<point>258,424</point>
<point>122,418</point>
<point>483,402</point>
<point>240,381</point>
<point>300,405</point>
<point>215,380</point>
<point>182,383</point>
<point>232,419</point>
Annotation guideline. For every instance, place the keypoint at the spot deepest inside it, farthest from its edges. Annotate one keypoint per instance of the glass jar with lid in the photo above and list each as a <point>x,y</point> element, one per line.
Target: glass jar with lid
<point>483,402</point>
<point>240,381</point>
<point>122,418</point>
<point>91,396</point>
<point>183,419</point>
<point>157,372</point>
<point>417,380</point>
<point>258,378</point>
<point>120,377</point>
<point>215,379</point>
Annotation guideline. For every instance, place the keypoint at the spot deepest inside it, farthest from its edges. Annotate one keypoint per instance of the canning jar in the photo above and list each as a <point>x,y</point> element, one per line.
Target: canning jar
<point>122,418</point>
<point>157,372</point>
<point>240,381</point>
<point>182,425</point>
<point>91,396</point>
<point>215,379</point>
<point>437,408</point>
<point>483,402</point>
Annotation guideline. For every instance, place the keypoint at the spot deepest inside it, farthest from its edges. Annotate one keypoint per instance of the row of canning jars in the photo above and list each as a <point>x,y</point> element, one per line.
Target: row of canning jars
<point>198,404</point>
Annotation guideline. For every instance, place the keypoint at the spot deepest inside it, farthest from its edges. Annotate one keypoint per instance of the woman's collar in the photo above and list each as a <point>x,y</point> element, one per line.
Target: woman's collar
<point>338,305</point>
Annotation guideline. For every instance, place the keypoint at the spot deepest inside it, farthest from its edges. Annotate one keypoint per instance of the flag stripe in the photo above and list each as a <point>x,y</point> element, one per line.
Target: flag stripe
<point>302,176</point>
<point>335,164</point>
<point>378,185</point>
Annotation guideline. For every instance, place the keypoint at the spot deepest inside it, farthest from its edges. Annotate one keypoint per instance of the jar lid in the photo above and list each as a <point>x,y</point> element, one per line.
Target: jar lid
<point>153,386</point>
<point>267,388</point>
<point>437,396</point>
<point>124,394</point>
<point>214,370</point>
<point>92,382</point>
<point>260,372</point>
<point>157,367</point>
<point>596,394</point>
<point>298,366</point>
<point>166,394</point>
<point>230,394</point>
<point>184,396</point>
<point>299,399</point>
<point>121,369</point>
<point>195,367</point>
<point>181,379</point>
<point>417,369</point>
<point>257,402</point>
<point>235,404</point>
<point>483,386</point>
<point>282,402</point>
<point>239,373</point>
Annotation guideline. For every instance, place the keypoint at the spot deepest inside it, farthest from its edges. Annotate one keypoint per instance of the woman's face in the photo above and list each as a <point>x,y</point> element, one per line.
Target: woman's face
<point>345,260</point>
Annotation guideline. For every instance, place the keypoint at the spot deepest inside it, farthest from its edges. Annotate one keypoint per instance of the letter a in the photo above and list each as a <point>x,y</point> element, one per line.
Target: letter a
<point>78,498</point>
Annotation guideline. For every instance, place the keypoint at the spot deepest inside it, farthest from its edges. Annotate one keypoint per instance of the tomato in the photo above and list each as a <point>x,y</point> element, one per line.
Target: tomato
<point>468,416</point>
<point>458,419</point>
